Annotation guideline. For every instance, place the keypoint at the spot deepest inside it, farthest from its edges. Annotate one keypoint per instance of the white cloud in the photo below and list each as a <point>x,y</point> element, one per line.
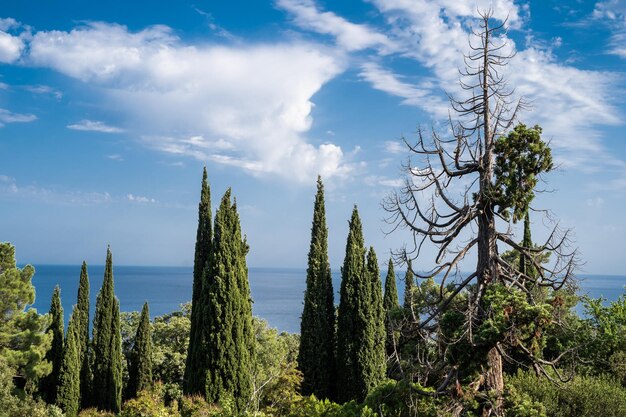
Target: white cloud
<point>115,157</point>
<point>44,89</point>
<point>94,126</point>
<point>395,147</point>
<point>613,12</point>
<point>140,199</point>
<point>351,36</point>
<point>252,101</point>
<point>10,47</point>
<point>7,116</point>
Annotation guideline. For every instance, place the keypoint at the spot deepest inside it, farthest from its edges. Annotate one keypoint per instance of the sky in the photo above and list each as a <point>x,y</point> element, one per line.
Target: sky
<point>109,111</point>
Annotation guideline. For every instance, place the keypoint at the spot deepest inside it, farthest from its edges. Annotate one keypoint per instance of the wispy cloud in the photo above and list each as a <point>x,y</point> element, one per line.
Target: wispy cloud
<point>7,116</point>
<point>613,13</point>
<point>44,89</point>
<point>139,199</point>
<point>94,126</point>
<point>115,157</point>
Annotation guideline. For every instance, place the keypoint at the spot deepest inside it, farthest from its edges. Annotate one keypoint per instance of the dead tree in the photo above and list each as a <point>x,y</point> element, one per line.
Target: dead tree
<point>452,199</point>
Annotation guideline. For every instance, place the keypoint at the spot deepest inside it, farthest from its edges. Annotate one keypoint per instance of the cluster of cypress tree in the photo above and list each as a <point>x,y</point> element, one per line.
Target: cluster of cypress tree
<point>48,385</point>
<point>140,366</point>
<point>222,339</point>
<point>316,358</point>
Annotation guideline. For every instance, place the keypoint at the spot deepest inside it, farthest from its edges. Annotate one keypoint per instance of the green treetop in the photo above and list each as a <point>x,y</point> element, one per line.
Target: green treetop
<point>68,398</point>
<point>408,290</point>
<point>316,358</point>
<point>140,367</point>
<point>48,385</point>
<point>390,299</point>
<point>82,310</point>
<point>228,321</point>
<point>373,351</point>
<point>195,366</point>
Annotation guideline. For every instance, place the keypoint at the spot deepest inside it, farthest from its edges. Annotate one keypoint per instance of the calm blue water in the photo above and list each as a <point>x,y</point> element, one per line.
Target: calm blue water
<point>277,292</point>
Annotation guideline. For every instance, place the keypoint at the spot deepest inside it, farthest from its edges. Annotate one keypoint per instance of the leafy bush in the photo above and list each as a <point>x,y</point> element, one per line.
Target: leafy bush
<point>93,412</point>
<point>581,397</point>
<point>147,404</point>
<point>196,406</point>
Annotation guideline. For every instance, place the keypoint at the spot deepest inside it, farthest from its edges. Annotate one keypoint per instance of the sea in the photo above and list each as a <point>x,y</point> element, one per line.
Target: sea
<point>277,292</point>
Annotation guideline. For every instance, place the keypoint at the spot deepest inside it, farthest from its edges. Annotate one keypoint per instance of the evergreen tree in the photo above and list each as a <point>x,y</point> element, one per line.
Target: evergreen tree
<point>358,329</point>
<point>107,345</point>
<point>390,303</point>
<point>195,365</point>
<point>525,264</point>
<point>228,320</point>
<point>374,356</point>
<point>68,398</point>
<point>48,385</point>
<point>316,357</point>
<point>82,307</point>
<point>408,291</point>
<point>140,367</point>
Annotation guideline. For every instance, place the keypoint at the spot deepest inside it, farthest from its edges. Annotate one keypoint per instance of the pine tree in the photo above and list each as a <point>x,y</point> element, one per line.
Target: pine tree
<point>48,385</point>
<point>195,365</point>
<point>82,306</point>
<point>140,367</point>
<point>228,320</point>
<point>106,386</point>
<point>68,398</point>
<point>316,357</point>
<point>358,328</point>
<point>408,291</point>
<point>390,303</point>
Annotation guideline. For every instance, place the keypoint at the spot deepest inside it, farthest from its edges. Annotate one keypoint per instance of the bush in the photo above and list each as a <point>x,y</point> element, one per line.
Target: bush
<point>93,412</point>
<point>147,404</point>
<point>583,396</point>
<point>196,406</point>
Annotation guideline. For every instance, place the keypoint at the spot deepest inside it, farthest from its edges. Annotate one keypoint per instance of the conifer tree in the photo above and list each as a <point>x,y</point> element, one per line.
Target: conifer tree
<point>140,367</point>
<point>106,386</point>
<point>68,398</point>
<point>82,307</point>
<point>390,302</point>
<point>195,365</point>
<point>48,385</point>
<point>374,349</point>
<point>408,291</point>
<point>357,371</point>
<point>316,358</point>
<point>228,320</point>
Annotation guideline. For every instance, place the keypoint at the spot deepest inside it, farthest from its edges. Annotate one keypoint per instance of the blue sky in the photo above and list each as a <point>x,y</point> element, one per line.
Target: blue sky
<point>109,110</point>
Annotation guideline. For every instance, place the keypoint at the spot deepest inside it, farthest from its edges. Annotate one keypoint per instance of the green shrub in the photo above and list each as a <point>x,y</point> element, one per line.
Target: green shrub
<point>581,397</point>
<point>93,412</point>
<point>147,404</point>
<point>196,406</point>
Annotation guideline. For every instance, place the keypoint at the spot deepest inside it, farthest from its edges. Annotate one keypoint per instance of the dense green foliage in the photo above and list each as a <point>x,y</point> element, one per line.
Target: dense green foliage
<point>48,384</point>
<point>360,326</point>
<point>140,366</point>
<point>390,298</point>
<point>195,366</point>
<point>408,290</point>
<point>82,309</point>
<point>107,353</point>
<point>317,330</point>
<point>23,341</point>
<point>228,319</point>
<point>69,379</point>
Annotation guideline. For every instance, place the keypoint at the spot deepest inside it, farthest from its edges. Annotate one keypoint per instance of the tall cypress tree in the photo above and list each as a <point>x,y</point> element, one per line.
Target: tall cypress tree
<point>48,385</point>
<point>316,358</point>
<point>375,364</point>
<point>228,320</point>
<point>355,369</point>
<point>140,367</point>
<point>107,345</point>
<point>525,265</point>
<point>408,291</point>
<point>68,398</point>
<point>390,302</point>
<point>82,307</point>
<point>195,365</point>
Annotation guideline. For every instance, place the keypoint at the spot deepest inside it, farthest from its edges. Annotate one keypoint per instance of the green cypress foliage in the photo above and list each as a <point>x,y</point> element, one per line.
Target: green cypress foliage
<point>107,345</point>
<point>48,385</point>
<point>68,398</point>
<point>316,357</point>
<point>525,266</point>
<point>408,290</point>
<point>230,337</point>
<point>195,365</point>
<point>373,351</point>
<point>140,369</point>
<point>357,368</point>
<point>82,307</point>
<point>390,303</point>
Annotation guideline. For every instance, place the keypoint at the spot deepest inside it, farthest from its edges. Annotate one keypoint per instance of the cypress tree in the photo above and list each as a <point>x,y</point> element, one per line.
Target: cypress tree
<point>107,354</point>
<point>48,385</point>
<point>82,307</point>
<point>140,367</point>
<point>316,357</point>
<point>357,370</point>
<point>525,266</point>
<point>195,365</point>
<point>408,291</point>
<point>390,302</point>
<point>68,398</point>
<point>230,338</point>
<point>374,355</point>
